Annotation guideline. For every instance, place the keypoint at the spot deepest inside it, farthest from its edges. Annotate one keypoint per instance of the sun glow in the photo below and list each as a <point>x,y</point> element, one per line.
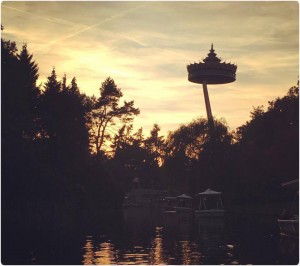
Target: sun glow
<point>145,49</point>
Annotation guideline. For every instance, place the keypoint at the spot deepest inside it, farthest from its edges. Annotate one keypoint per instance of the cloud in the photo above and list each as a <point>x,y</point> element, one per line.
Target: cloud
<point>145,47</point>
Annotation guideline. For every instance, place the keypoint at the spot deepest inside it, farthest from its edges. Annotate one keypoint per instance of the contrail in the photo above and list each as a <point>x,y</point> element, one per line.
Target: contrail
<point>85,28</point>
<point>94,25</point>
<point>134,40</point>
<point>50,19</point>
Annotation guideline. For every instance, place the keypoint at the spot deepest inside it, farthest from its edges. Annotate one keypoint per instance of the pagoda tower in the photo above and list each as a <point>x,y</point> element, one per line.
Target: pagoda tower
<point>211,71</point>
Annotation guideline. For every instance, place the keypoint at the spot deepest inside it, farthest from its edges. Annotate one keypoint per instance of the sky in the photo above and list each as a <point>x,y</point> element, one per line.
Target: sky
<point>146,46</point>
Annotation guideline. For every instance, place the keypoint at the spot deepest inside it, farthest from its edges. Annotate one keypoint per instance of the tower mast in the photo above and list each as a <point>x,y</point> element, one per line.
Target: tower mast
<point>211,71</point>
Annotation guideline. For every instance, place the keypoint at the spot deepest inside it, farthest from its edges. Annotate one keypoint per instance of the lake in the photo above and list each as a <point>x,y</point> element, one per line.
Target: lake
<point>151,236</point>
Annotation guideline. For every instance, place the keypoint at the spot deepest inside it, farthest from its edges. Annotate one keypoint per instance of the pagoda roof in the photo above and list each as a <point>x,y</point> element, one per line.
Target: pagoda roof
<point>212,56</point>
<point>211,70</point>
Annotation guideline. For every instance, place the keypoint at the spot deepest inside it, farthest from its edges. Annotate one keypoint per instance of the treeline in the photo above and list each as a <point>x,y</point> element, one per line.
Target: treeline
<point>53,167</point>
<point>67,156</point>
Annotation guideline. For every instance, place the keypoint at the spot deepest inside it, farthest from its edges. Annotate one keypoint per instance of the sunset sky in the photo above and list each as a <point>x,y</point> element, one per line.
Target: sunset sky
<point>145,47</point>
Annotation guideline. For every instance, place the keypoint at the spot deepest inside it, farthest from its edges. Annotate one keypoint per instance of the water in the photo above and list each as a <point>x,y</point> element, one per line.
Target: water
<point>145,236</point>
<point>153,237</point>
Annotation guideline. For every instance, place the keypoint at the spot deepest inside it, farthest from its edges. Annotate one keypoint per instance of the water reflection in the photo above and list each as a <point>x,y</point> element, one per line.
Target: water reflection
<point>153,237</point>
<point>88,257</point>
<point>156,252</point>
<point>102,255</point>
<point>189,252</point>
<point>105,254</point>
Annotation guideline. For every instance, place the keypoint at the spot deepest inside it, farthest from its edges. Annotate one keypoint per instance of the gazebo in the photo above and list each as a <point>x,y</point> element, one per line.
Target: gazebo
<point>210,204</point>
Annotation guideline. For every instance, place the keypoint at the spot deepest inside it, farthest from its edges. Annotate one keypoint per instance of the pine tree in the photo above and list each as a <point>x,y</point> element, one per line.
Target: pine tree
<point>29,92</point>
<point>52,86</point>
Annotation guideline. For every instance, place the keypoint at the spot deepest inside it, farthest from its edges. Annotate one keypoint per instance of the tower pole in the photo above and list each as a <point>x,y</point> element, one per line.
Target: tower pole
<point>207,103</point>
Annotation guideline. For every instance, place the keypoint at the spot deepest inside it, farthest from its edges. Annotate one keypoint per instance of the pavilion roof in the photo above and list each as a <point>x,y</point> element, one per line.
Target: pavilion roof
<point>184,196</point>
<point>209,192</point>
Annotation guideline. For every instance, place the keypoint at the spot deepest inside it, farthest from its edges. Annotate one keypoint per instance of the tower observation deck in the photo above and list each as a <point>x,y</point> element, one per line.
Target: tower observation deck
<point>211,71</point>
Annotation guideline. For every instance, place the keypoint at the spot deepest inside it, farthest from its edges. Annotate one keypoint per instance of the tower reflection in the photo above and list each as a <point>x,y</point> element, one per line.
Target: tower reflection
<point>156,253</point>
<point>105,254</point>
<point>88,256</point>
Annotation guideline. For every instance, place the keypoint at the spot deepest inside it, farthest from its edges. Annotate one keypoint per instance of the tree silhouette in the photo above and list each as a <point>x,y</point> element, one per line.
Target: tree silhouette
<point>51,107</point>
<point>19,76</point>
<point>107,112</point>
<point>194,158</point>
<point>29,92</point>
<point>129,161</point>
<point>63,114</point>
<point>155,145</point>
<point>268,147</point>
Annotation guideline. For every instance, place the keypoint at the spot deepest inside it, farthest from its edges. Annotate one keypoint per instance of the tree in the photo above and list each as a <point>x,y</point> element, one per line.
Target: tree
<point>19,119</point>
<point>52,85</point>
<point>269,146</point>
<point>28,76</point>
<point>63,116</point>
<point>9,114</point>
<point>196,159</point>
<point>19,77</point>
<point>75,133</point>
<point>29,68</point>
<point>129,161</point>
<point>155,145</point>
<point>107,112</point>
<point>51,107</point>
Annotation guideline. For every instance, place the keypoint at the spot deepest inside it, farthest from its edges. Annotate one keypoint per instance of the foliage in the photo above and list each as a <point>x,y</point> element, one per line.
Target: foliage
<point>137,159</point>
<point>107,111</point>
<point>155,145</point>
<point>268,147</point>
<point>48,173</point>
<point>193,154</point>
<point>21,90</point>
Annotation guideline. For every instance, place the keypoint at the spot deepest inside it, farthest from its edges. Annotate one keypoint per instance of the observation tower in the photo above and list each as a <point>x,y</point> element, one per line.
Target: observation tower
<point>211,71</point>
